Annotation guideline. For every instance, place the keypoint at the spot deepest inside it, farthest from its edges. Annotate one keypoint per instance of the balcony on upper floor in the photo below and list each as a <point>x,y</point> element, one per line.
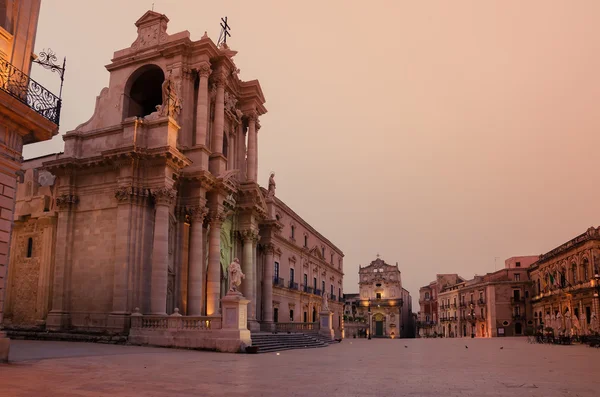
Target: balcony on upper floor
<point>278,282</point>
<point>23,88</point>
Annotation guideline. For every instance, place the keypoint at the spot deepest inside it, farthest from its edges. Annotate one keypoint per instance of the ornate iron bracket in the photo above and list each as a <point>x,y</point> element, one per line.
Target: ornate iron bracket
<point>47,59</point>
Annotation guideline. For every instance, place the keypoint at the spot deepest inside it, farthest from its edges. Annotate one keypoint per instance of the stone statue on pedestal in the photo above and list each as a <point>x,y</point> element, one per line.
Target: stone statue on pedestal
<point>171,103</point>
<point>271,191</point>
<point>235,275</point>
<point>325,302</point>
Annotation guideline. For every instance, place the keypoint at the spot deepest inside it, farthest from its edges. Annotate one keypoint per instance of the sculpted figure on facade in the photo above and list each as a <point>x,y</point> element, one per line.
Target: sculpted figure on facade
<point>171,102</point>
<point>325,301</point>
<point>235,275</point>
<point>272,185</point>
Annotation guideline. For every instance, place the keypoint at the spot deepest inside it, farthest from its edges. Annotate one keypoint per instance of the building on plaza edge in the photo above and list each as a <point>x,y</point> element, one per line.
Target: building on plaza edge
<point>566,286</point>
<point>495,304</point>
<point>154,197</point>
<point>382,308</point>
<point>29,113</point>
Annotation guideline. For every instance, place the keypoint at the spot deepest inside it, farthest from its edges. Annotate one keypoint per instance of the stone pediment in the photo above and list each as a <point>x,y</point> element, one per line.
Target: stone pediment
<point>152,30</point>
<point>316,252</point>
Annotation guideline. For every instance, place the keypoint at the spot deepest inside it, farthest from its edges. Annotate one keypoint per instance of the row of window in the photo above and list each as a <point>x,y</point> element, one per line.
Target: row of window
<point>331,255</point>
<point>292,280</point>
<point>561,279</point>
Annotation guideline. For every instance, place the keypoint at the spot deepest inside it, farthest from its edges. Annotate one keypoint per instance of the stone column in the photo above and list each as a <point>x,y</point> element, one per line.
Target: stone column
<point>196,263</point>
<point>202,104</point>
<point>164,198</point>
<point>219,123</point>
<point>59,318</point>
<point>213,280</point>
<point>248,265</point>
<point>252,148</point>
<point>267,287</point>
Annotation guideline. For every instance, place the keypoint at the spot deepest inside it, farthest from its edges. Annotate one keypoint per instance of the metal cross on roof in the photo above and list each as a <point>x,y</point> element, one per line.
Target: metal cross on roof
<point>377,255</point>
<point>224,32</point>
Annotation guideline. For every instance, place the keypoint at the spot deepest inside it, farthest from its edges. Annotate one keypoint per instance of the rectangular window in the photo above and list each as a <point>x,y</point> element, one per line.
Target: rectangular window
<point>314,282</point>
<point>305,317</point>
<point>378,295</point>
<point>339,293</point>
<point>481,310</point>
<point>291,315</point>
<point>276,271</point>
<point>323,286</point>
<point>323,252</point>
<point>293,231</point>
<point>275,314</point>
<point>332,290</point>
<point>332,258</point>
<point>517,310</point>
<point>305,281</point>
<point>306,241</point>
<point>518,264</point>
<point>291,275</point>
<point>517,295</point>
<point>517,277</point>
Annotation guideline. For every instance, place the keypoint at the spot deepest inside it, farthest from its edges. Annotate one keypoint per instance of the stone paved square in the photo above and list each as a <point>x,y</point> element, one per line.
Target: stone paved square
<point>356,367</point>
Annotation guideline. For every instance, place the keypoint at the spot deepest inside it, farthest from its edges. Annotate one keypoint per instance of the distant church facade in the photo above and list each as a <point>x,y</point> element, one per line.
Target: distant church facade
<point>155,196</point>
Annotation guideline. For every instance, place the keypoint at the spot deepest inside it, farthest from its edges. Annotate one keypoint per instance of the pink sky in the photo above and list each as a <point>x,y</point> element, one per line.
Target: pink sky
<point>438,134</point>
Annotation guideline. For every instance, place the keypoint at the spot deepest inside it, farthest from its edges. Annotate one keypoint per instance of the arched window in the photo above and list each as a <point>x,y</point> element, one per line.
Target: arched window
<point>427,295</point>
<point>539,289</point>
<point>143,91</point>
<point>29,247</point>
<point>586,271</point>
<point>574,273</point>
<point>563,278</point>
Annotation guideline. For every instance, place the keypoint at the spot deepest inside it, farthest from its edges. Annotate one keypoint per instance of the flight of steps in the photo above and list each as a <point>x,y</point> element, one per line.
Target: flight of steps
<point>269,342</point>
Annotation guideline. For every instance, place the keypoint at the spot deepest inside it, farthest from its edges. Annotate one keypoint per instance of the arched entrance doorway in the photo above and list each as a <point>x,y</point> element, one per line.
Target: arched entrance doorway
<point>518,329</point>
<point>379,324</point>
<point>143,91</point>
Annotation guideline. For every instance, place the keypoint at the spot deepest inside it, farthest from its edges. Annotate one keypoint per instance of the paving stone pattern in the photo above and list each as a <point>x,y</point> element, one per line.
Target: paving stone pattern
<point>355,367</point>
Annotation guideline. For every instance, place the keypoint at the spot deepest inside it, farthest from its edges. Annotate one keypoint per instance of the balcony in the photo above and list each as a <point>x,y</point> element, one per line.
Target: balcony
<point>28,91</point>
<point>518,317</point>
<point>515,300</point>
<point>278,282</point>
<point>333,298</point>
<point>453,306</point>
<point>463,304</point>
<point>341,298</point>
<point>293,285</point>
<point>481,302</point>
<point>308,290</point>
<point>317,292</point>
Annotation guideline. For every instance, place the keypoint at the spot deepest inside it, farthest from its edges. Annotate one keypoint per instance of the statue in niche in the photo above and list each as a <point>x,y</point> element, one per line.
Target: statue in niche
<point>271,191</point>
<point>171,102</point>
<point>235,275</point>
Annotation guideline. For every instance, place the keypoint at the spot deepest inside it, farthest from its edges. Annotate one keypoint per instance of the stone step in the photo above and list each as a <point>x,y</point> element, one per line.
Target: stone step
<point>66,336</point>
<point>271,342</point>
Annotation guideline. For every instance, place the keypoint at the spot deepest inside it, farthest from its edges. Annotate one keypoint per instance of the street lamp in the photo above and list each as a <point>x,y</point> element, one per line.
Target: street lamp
<point>369,313</point>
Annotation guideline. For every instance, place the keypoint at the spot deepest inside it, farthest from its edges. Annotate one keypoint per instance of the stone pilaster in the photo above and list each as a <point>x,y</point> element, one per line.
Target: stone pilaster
<point>213,279</point>
<point>195,299</point>
<point>59,317</point>
<point>251,158</point>
<point>164,199</point>
<point>202,104</point>
<point>267,287</point>
<point>219,123</point>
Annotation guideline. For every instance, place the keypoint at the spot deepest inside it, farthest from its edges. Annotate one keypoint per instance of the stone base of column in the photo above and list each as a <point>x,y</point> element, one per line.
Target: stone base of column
<point>118,322</point>
<point>4,347</point>
<point>325,327</point>
<point>253,326</point>
<point>267,326</point>
<point>217,164</point>
<point>58,321</point>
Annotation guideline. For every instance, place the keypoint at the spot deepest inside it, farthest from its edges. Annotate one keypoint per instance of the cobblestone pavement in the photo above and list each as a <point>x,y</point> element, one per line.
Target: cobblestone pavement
<point>356,367</point>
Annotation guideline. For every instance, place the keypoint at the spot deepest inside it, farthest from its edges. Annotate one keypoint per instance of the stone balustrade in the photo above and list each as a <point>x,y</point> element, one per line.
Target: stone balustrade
<point>297,327</point>
<point>175,322</point>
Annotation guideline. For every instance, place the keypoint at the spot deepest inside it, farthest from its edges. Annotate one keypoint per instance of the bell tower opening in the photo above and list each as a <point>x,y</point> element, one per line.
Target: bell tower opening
<point>143,91</point>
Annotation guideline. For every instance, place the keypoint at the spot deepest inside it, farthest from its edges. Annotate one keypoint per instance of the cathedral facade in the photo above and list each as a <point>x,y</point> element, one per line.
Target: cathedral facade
<point>155,196</point>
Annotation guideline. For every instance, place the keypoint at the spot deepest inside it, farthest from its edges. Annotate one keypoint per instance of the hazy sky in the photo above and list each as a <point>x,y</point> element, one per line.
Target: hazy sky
<point>439,134</point>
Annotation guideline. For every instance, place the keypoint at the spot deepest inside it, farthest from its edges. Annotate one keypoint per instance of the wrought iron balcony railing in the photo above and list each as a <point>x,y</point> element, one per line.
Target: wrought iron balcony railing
<point>317,292</point>
<point>279,282</point>
<point>28,91</point>
<point>293,285</point>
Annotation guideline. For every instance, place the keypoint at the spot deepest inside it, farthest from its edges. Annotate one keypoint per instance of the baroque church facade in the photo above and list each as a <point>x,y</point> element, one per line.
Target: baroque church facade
<point>383,304</point>
<point>153,198</point>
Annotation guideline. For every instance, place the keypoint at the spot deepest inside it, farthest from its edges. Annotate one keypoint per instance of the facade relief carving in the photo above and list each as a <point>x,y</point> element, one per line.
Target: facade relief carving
<point>66,201</point>
<point>164,196</point>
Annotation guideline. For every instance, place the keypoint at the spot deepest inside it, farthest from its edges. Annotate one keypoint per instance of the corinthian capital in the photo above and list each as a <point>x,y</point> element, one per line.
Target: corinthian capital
<point>218,80</point>
<point>204,70</point>
<point>252,116</point>
<point>197,213</point>
<point>164,195</point>
<point>269,248</point>
<point>217,217</point>
<point>66,201</point>
<point>249,235</point>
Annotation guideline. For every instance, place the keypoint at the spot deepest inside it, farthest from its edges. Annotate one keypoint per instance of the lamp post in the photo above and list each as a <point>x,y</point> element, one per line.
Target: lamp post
<point>369,313</point>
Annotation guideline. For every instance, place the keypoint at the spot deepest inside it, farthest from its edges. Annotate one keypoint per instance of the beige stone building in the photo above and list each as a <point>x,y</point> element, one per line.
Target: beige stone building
<point>154,197</point>
<point>566,287</point>
<point>383,302</point>
<point>30,113</point>
<point>495,304</point>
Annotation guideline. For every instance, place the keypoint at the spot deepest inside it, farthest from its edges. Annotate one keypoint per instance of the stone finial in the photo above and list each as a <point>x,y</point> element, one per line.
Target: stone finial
<point>136,312</point>
<point>176,313</point>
